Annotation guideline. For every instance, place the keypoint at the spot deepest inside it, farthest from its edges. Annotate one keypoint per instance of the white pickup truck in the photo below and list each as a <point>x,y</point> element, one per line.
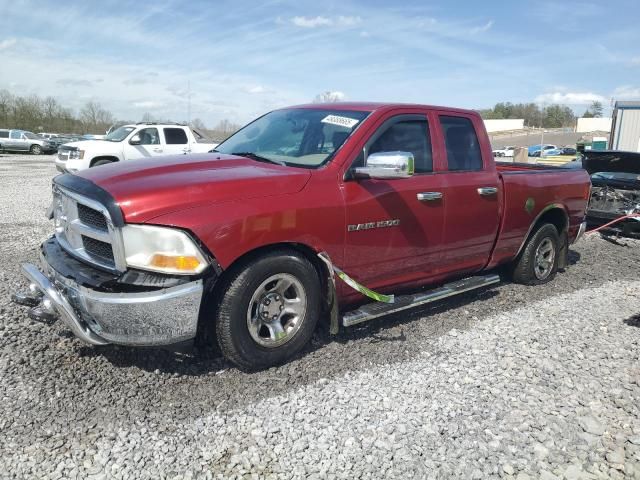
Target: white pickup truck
<point>131,142</point>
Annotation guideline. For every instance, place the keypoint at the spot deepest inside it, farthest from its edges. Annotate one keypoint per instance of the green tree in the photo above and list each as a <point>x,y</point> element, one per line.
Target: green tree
<point>596,109</point>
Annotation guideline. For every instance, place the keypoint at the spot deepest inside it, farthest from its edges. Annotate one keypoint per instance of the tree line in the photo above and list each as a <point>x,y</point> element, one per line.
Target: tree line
<point>38,114</point>
<point>552,116</point>
<point>46,114</point>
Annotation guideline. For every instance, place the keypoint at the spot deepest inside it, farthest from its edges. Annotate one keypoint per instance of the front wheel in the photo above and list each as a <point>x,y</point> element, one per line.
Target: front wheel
<point>538,262</point>
<point>101,162</point>
<point>268,310</point>
<point>35,149</point>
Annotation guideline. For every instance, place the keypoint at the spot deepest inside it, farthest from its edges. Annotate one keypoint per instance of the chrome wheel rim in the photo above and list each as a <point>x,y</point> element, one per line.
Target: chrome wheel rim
<point>276,310</point>
<point>544,259</point>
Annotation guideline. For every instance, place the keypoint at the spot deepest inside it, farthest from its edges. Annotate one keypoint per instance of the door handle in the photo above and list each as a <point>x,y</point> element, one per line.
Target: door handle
<point>159,150</point>
<point>487,191</point>
<point>429,196</point>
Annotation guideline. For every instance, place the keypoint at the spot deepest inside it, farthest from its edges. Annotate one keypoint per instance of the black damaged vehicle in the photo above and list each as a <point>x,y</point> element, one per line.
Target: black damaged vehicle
<point>615,191</point>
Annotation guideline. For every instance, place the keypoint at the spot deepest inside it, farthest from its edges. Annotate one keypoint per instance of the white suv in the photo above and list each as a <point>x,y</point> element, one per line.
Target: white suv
<point>131,142</point>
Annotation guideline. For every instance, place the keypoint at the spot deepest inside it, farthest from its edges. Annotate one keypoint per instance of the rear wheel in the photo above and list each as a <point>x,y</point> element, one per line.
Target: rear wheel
<point>35,149</point>
<point>538,262</point>
<point>268,310</point>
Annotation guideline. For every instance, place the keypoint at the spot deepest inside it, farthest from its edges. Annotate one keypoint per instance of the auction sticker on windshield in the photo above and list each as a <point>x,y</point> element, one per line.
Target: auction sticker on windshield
<point>340,121</point>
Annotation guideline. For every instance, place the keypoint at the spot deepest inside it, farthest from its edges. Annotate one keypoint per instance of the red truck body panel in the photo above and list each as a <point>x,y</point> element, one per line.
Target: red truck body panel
<point>236,205</point>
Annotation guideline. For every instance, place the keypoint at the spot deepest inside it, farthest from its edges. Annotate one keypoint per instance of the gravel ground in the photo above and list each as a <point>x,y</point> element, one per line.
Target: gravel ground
<point>517,382</point>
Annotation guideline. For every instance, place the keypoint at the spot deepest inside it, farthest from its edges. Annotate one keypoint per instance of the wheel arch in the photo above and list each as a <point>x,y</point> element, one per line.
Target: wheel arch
<point>556,215</point>
<point>111,158</point>
<point>216,287</point>
<point>305,250</point>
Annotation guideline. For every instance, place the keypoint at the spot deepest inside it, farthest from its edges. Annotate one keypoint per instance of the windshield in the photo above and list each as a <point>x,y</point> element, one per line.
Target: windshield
<point>32,136</point>
<point>298,137</point>
<point>119,134</point>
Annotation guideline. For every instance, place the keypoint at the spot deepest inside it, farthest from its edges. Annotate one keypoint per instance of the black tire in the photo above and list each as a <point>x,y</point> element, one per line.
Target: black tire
<point>526,268</point>
<point>36,150</point>
<point>238,302</point>
<point>101,162</point>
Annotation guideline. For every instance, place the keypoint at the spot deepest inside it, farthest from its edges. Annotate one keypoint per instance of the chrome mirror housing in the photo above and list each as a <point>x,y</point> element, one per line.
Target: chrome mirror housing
<point>387,165</point>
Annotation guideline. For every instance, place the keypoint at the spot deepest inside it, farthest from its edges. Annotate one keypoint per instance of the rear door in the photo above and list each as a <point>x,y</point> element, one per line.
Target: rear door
<point>176,141</point>
<point>394,228</point>
<point>471,194</point>
<point>13,142</point>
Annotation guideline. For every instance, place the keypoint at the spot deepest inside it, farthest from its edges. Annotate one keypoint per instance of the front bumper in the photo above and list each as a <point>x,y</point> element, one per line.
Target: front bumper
<point>156,317</point>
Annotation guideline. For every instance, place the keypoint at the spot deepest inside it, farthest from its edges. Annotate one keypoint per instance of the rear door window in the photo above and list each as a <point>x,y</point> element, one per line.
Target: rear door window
<point>4,134</point>
<point>175,136</point>
<point>16,135</point>
<point>461,141</point>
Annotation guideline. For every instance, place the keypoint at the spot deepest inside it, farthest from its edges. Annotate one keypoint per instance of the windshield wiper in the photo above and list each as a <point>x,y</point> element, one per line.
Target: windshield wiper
<point>255,156</point>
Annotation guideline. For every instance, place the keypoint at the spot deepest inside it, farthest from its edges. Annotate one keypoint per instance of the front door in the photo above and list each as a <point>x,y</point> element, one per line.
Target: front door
<point>149,146</point>
<point>394,227</point>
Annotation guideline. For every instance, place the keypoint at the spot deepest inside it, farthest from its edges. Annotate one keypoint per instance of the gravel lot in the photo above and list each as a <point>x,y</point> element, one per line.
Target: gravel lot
<point>517,382</point>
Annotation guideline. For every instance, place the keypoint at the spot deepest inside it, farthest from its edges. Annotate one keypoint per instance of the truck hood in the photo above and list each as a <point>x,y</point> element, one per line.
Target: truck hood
<point>101,145</point>
<point>147,188</point>
<point>594,161</point>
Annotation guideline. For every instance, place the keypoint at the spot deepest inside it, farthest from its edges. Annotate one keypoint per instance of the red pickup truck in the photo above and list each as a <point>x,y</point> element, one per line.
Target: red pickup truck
<point>241,245</point>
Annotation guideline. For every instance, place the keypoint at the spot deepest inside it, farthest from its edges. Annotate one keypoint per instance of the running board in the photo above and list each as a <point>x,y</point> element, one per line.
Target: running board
<point>403,302</point>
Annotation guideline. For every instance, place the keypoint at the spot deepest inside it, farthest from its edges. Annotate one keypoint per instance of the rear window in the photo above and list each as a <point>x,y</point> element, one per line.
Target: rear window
<point>463,149</point>
<point>175,136</point>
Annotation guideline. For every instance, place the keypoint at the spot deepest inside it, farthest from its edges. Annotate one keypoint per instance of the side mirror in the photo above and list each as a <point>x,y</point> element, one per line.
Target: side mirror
<point>387,165</point>
<point>135,140</point>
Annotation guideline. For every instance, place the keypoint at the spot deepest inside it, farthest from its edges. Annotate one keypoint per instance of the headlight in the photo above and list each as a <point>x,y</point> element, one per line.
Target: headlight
<point>162,249</point>
<point>76,154</point>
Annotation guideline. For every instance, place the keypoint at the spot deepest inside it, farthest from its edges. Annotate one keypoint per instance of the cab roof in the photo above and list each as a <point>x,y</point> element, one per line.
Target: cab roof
<point>374,106</point>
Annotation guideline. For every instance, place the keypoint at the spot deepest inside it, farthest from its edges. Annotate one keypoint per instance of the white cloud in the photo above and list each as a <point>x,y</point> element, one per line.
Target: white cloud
<point>311,22</point>
<point>570,98</point>
<point>257,89</point>
<point>626,92</point>
<point>8,43</point>
<point>74,82</point>
<point>320,21</point>
<point>482,28</point>
<point>349,21</point>
<point>329,97</point>
<point>364,34</point>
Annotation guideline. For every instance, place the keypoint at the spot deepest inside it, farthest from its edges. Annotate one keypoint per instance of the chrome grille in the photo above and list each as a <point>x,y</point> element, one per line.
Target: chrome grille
<point>92,217</point>
<point>63,153</point>
<point>95,248</point>
<point>83,227</point>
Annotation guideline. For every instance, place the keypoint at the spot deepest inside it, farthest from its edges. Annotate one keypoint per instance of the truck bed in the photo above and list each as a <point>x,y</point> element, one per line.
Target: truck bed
<point>530,190</point>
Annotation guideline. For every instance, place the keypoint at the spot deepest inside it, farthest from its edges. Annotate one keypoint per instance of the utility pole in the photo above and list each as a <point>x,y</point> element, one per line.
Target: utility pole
<point>189,102</point>
<point>542,131</point>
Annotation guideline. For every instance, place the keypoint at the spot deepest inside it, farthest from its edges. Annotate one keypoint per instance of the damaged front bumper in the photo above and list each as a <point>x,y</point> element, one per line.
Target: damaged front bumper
<point>158,316</point>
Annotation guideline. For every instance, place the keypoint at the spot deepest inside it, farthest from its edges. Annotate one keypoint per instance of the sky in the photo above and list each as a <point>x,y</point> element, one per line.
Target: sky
<point>237,60</point>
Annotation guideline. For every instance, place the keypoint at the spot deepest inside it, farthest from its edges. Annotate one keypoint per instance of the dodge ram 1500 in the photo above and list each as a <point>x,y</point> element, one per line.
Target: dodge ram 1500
<point>240,245</point>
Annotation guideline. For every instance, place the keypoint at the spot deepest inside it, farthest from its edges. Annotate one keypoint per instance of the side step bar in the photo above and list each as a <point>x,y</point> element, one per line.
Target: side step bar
<point>403,302</point>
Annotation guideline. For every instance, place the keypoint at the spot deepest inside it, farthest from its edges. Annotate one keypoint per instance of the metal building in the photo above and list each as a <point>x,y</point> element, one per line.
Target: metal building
<point>625,128</point>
